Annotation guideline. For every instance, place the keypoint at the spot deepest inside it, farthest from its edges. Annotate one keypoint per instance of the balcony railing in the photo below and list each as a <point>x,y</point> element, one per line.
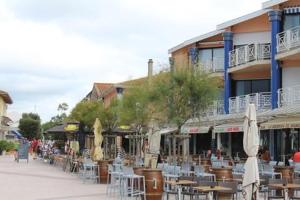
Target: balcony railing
<point>288,39</point>
<point>289,96</point>
<point>216,65</point>
<point>239,104</point>
<point>249,53</point>
<point>217,108</point>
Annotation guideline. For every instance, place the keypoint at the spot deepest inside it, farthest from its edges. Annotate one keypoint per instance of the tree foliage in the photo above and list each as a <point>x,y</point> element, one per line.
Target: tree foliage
<point>182,95</point>
<point>29,125</point>
<point>86,112</point>
<point>135,107</point>
<point>57,119</point>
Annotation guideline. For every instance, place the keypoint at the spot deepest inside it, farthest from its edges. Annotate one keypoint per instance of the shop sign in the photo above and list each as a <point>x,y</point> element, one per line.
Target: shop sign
<point>194,130</point>
<point>229,129</point>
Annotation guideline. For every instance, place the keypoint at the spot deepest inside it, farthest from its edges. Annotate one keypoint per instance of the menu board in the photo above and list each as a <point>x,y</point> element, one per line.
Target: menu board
<point>23,151</point>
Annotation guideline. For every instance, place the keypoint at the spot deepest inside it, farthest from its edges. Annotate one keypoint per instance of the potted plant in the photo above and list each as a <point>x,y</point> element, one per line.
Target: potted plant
<point>3,146</point>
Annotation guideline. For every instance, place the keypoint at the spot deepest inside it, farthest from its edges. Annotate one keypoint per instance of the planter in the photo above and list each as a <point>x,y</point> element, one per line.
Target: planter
<point>286,171</point>
<point>154,184</point>
<point>103,170</point>
<point>222,173</point>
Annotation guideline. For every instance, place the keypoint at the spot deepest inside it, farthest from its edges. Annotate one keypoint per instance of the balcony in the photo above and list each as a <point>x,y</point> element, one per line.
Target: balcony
<point>239,104</point>
<point>249,55</point>
<point>216,109</point>
<point>289,96</point>
<point>288,43</point>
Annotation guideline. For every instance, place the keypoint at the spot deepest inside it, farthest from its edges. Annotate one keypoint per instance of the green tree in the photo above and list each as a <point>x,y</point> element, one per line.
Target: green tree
<point>57,119</point>
<point>86,112</point>
<point>29,125</point>
<point>182,95</point>
<point>135,108</point>
<point>109,116</point>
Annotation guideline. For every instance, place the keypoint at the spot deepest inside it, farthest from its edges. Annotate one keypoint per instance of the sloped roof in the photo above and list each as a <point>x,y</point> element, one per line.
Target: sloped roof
<point>133,82</point>
<point>195,39</point>
<point>7,99</point>
<point>271,3</point>
<point>101,87</point>
<point>242,19</point>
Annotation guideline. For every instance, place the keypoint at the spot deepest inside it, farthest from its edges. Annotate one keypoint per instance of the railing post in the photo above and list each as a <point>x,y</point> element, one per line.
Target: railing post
<point>258,104</point>
<point>246,50</point>
<point>257,55</point>
<point>279,98</point>
<point>237,104</point>
<point>288,39</point>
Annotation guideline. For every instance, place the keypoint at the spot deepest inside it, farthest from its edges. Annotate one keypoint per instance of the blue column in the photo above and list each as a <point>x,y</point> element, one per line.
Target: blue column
<point>193,53</point>
<point>227,36</point>
<point>275,19</point>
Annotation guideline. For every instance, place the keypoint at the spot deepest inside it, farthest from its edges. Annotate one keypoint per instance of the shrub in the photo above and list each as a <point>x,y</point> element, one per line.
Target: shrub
<point>7,145</point>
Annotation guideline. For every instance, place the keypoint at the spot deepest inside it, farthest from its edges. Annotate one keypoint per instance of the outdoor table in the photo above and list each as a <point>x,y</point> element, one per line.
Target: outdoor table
<point>286,188</point>
<point>179,184</point>
<point>239,180</point>
<point>211,190</point>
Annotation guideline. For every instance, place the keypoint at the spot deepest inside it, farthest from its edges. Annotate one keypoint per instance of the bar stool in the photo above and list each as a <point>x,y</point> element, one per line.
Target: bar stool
<point>113,180</point>
<point>90,172</point>
<point>132,185</point>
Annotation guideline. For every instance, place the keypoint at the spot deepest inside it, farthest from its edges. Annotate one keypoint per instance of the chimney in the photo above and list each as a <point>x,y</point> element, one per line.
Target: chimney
<point>150,69</point>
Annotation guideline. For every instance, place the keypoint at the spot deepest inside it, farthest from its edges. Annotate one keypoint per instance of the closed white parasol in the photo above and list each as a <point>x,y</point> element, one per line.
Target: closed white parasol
<point>251,144</point>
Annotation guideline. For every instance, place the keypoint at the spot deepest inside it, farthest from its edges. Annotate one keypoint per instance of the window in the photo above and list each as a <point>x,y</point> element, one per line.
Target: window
<point>290,21</point>
<point>214,58</point>
<point>243,87</point>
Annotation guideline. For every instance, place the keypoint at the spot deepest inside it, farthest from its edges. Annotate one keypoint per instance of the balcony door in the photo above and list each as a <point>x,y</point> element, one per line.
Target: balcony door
<point>244,87</point>
<point>291,21</point>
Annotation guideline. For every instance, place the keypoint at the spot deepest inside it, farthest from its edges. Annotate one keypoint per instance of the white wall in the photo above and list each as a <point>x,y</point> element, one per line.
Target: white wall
<point>290,76</point>
<point>250,38</point>
<point>2,107</point>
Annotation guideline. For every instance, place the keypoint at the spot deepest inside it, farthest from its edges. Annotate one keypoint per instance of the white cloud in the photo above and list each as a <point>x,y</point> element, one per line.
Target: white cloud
<point>52,51</point>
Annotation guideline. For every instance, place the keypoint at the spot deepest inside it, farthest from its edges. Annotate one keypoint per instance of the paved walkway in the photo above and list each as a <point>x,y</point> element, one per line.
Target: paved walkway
<point>41,181</point>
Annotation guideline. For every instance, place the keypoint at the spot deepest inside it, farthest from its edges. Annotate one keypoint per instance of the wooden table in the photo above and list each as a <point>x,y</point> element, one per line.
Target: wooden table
<point>286,188</point>
<point>211,190</point>
<point>179,185</point>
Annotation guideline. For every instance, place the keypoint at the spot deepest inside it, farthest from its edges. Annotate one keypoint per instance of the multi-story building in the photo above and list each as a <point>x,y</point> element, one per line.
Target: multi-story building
<point>258,57</point>
<point>5,99</point>
<point>106,92</point>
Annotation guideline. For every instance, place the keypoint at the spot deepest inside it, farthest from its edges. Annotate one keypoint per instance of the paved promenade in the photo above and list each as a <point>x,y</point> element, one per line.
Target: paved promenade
<point>40,181</point>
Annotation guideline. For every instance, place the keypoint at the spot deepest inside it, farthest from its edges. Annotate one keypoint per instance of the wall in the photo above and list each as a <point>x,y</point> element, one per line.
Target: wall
<point>290,76</point>
<point>2,107</point>
<point>181,57</point>
<point>258,24</point>
<point>249,38</point>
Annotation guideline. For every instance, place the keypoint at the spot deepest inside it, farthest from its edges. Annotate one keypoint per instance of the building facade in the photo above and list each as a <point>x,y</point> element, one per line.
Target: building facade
<point>258,58</point>
<point>5,99</point>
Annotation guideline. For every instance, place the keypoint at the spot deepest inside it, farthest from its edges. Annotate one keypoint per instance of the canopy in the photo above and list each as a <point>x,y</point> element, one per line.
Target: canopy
<point>251,144</point>
<point>281,123</point>
<point>17,134</point>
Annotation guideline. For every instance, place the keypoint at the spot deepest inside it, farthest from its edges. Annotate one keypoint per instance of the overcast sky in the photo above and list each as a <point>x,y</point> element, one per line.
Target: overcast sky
<point>51,51</point>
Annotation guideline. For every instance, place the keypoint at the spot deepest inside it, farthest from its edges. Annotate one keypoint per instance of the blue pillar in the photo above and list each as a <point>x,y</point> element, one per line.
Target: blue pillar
<point>193,53</point>
<point>275,19</point>
<point>227,36</point>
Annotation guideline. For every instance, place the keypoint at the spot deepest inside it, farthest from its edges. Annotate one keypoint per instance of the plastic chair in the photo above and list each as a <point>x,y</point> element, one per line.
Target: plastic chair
<point>200,172</point>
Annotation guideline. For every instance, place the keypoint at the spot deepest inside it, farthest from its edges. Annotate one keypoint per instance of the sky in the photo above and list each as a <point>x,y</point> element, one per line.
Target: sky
<point>52,51</point>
